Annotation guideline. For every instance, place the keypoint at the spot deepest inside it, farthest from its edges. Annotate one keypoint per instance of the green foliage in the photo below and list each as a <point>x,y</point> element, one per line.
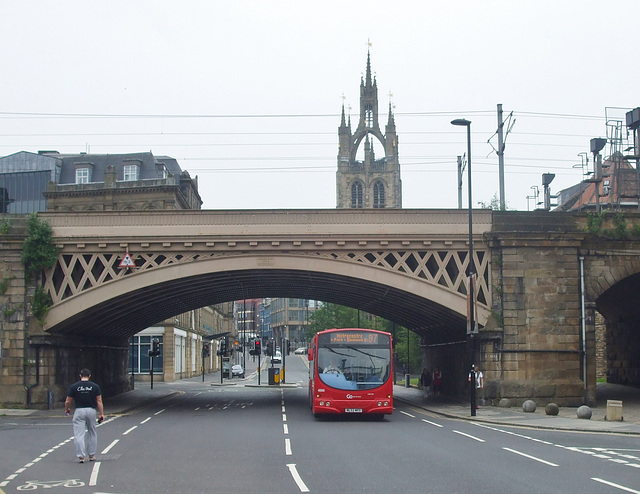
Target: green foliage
<point>41,304</point>
<point>4,285</point>
<point>493,204</point>
<point>620,230</point>
<point>9,311</point>
<point>338,316</point>
<point>38,252</point>
<point>5,226</point>
<point>620,226</point>
<point>595,222</point>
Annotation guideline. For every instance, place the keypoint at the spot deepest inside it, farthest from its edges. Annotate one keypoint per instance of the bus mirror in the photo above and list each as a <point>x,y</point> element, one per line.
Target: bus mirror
<point>309,355</point>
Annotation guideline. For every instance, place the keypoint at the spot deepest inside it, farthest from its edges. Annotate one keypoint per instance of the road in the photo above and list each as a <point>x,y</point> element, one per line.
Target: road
<point>241,438</point>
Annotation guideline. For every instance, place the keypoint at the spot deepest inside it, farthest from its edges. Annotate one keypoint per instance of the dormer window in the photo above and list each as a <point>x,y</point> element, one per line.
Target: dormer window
<point>83,173</point>
<point>162,170</point>
<point>131,172</point>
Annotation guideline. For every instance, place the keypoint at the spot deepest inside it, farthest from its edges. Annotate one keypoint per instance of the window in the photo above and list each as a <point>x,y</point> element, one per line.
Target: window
<point>162,170</point>
<point>378,195</point>
<point>83,175</point>
<point>131,172</point>
<point>180,354</point>
<point>139,359</point>
<point>356,195</point>
<point>368,116</point>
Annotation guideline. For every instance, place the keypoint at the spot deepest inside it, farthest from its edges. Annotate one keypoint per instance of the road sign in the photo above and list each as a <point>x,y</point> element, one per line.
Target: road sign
<point>127,262</point>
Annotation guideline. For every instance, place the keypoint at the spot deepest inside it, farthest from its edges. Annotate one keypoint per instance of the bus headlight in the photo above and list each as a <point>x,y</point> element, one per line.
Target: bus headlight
<point>321,403</point>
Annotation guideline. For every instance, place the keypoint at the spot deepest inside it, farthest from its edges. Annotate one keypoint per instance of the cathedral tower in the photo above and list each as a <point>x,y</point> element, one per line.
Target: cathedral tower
<point>364,180</point>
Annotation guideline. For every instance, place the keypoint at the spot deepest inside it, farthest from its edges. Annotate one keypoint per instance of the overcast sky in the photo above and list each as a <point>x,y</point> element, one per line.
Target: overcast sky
<point>247,94</point>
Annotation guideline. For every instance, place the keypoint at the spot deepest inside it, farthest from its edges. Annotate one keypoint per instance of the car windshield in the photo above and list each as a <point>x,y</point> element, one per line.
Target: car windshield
<point>354,366</point>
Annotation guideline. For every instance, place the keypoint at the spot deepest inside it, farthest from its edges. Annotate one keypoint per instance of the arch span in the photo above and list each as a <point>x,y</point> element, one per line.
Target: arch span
<point>127,305</point>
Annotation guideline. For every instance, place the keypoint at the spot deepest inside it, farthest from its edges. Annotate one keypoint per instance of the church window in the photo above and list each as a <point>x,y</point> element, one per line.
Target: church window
<point>378,195</point>
<point>356,195</point>
<point>368,116</point>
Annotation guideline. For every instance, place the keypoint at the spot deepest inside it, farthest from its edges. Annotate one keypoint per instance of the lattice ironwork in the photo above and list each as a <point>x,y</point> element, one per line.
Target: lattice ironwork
<point>76,273</point>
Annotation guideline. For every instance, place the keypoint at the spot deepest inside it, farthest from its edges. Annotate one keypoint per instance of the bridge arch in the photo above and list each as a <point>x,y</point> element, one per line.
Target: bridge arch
<point>122,307</point>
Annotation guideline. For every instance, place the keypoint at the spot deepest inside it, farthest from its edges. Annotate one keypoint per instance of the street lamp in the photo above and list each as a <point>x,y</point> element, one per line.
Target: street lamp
<point>471,268</point>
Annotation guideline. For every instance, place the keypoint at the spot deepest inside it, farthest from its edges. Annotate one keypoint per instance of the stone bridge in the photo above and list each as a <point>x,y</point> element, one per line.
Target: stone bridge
<point>542,280</point>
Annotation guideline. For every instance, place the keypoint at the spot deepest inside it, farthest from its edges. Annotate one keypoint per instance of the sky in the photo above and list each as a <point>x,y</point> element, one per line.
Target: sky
<point>247,94</point>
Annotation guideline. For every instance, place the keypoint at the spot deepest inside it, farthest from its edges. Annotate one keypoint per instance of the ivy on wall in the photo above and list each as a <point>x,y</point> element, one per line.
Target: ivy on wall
<point>38,254</point>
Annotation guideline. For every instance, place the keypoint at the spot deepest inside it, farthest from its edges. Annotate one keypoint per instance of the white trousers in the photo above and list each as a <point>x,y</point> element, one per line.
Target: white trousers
<point>84,423</point>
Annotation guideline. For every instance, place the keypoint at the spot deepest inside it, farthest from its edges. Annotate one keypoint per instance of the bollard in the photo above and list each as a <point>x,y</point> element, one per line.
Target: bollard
<point>614,411</point>
<point>407,380</point>
<point>50,399</point>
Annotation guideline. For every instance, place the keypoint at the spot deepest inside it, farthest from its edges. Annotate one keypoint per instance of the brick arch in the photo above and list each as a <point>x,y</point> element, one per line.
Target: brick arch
<point>604,272</point>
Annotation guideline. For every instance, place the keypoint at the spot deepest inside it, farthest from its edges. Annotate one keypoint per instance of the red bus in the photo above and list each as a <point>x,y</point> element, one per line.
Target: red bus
<point>350,372</point>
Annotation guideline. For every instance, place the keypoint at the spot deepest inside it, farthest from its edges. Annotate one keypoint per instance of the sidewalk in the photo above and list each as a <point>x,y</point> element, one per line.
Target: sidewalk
<point>567,418</point>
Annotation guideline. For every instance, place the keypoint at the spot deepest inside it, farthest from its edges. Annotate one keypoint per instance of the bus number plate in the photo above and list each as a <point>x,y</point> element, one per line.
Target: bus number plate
<point>353,410</point>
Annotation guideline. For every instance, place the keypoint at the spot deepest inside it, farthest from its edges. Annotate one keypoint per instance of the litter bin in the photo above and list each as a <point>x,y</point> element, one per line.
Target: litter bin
<point>614,411</point>
<point>274,376</point>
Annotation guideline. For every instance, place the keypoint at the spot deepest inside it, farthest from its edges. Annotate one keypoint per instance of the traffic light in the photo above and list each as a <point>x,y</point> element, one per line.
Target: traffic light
<point>223,347</point>
<point>205,350</point>
<point>256,348</point>
<point>270,348</point>
<point>155,348</point>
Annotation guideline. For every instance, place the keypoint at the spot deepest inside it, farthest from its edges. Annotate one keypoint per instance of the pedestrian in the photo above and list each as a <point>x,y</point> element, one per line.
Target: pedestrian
<point>479,382</point>
<point>88,402</point>
<point>425,382</point>
<point>437,381</point>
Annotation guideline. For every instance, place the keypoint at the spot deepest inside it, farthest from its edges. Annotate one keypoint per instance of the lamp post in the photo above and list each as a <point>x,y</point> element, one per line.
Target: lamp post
<point>471,268</point>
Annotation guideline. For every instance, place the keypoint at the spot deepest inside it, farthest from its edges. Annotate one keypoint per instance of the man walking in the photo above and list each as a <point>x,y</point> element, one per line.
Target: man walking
<point>88,401</point>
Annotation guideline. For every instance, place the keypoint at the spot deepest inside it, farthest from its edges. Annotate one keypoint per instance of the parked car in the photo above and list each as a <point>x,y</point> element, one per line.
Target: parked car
<point>300,351</point>
<point>277,358</point>
<point>237,370</point>
<point>226,369</point>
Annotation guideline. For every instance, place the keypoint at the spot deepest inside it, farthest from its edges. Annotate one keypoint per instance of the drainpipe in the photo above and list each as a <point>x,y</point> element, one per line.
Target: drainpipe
<point>583,328</point>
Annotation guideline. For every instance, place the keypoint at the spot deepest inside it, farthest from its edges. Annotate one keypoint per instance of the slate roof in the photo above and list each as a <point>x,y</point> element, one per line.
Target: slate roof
<point>147,162</point>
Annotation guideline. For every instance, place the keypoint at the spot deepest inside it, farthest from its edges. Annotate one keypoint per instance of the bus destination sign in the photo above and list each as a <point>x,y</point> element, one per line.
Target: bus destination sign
<point>354,337</point>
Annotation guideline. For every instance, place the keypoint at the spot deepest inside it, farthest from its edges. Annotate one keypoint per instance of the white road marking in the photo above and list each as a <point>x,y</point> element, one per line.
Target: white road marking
<point>530,457</point>
<point>284,417</point>
<point>108,448</point>
<point>145,420</point>
<point>286,428</point>
<point>159,412</point>
<point>431,423</point>
<point>408,414</point>
<point>617,486</point>
<point>129,430</point>
<point>287,447</point>
<point>296,477</point>
<point>470,436</point>
<point>93,480</point>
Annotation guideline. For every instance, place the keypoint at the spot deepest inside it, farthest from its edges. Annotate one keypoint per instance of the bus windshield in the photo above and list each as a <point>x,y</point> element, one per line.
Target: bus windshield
<point>354,360</point>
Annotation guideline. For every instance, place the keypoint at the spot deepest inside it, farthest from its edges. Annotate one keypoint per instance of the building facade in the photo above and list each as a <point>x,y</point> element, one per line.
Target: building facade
<point>364,180</point>
<point>52,181</point>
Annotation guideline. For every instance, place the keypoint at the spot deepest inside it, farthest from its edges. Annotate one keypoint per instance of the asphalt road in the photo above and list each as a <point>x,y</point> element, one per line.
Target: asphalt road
<point>247,439</point>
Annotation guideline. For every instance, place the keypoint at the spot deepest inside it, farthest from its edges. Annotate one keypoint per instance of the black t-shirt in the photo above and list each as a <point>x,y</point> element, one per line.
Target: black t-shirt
<point>84,393</point>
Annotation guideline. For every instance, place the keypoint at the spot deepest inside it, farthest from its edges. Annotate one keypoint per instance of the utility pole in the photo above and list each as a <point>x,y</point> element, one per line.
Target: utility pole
<point>460,170</point>
<point>503,205</point>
